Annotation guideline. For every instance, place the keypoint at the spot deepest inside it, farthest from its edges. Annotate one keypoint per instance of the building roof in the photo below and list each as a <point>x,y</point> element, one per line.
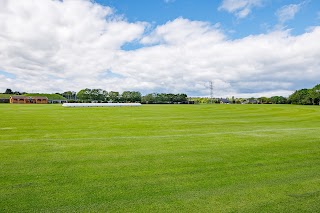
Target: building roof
<point>18,97</point>
<point>39,97</point>
<point>224,100</point>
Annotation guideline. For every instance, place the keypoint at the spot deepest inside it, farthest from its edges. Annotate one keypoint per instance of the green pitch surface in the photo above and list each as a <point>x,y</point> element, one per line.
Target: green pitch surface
<point>160,158</point>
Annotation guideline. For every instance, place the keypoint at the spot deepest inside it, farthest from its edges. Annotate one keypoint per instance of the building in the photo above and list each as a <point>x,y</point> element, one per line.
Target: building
<point>39,100</point>
<point>18,99</point>
<point>4,100</point>
<point>224,101</point>
<point>57,101</point>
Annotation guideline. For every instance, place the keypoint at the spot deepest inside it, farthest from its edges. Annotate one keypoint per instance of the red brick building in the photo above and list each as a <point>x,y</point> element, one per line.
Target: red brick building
<point>28,100</point>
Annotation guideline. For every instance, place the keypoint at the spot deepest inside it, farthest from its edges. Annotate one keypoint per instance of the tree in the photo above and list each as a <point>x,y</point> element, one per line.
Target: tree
<point>114,96</point>
<point>278,100</point>
<point>126,96</point>
<point>315,94</point>
<point>131,96</point>
<point>135,96</point>
<point>148,99</point>
<point>105,95</point>
<point>8,91</point>
<point>264,100</point>
<point>69,95</point>
<point>97,95</point>
<point>181,97</point>
<point>84,95</point>
<point>163,98</point>
<point>300,97</point>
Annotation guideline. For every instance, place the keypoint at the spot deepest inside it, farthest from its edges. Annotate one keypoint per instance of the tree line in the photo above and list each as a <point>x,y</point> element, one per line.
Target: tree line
<point>302,96</point>
<point>103,96</point>
<point>234,100</point>
<point>306,96</point>
<point>100,95</point>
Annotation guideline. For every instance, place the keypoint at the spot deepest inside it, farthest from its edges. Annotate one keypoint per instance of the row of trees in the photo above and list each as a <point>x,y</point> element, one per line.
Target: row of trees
<point>164,98</point>
<point>10,91</point>
<point>233,100</point>
<point>302,96</point>
<point>306,96</point>
<point>100,95</point>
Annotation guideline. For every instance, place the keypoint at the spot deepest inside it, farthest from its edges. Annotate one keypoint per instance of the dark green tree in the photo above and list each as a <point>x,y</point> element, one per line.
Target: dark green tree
<point>114,96</point>
<point>8,91</point>
<point>84,95</point>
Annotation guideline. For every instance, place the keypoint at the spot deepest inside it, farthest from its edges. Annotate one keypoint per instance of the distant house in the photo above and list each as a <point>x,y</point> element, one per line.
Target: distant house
<point>224,101</point>
<point>19,99</point>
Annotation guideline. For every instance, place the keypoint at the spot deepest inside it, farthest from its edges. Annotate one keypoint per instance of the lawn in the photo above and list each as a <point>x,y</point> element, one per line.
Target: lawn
<point>160,158</point>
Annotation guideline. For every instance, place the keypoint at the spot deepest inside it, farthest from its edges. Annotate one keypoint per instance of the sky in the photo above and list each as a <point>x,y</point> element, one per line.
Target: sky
<point>246,48</point>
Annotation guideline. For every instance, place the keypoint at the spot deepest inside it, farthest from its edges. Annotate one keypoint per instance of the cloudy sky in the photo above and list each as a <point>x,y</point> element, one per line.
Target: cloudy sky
<point>245,47</point>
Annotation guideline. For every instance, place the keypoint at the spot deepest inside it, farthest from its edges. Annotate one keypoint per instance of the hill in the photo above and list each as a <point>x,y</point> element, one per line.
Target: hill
<point>49,96</point>
<point>5,95</point>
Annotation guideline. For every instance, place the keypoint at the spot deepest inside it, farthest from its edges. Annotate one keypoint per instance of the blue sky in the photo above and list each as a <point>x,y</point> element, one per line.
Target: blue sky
<point>245,48</point>
<point>262,19</point>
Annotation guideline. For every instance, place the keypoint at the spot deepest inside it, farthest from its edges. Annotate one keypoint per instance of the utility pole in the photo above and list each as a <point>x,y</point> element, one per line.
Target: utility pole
<point>211,91</point>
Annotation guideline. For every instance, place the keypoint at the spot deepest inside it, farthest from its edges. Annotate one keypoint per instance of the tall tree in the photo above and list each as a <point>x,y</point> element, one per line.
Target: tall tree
<point>84,95</point>
<point>114,96</point>
<point>8,91</point>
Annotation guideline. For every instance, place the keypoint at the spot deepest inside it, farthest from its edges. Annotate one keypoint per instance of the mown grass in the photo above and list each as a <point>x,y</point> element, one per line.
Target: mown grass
<point>160,158</point>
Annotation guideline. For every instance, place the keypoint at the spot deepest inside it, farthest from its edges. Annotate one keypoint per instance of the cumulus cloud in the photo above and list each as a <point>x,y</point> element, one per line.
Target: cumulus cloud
<point>50,46</point>
<point>240,8</point>
<point>188,54</point>
<point>50,40</point>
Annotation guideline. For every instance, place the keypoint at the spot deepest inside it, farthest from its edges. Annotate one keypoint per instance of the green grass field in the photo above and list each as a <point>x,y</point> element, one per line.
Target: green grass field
<point>160,158</point>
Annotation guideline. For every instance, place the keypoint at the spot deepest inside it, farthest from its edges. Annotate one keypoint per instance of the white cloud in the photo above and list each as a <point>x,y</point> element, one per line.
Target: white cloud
<point>240,8</point>
<point>44,39</point>
<point>188,54</point>
<point>52,46</point>
<point>287,12</point>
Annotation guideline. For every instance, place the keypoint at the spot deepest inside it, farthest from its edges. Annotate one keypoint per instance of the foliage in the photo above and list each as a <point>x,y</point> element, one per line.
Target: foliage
<point>131,96</point>
<point>100,95</point>
<point>69,95</point>
<point>114,96</point>
<point>278,100</point>
<point>306,96</point>
<point>164,98</point>
<point>84,94</point>
<point>8,91</point>
<point>92,95</point>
